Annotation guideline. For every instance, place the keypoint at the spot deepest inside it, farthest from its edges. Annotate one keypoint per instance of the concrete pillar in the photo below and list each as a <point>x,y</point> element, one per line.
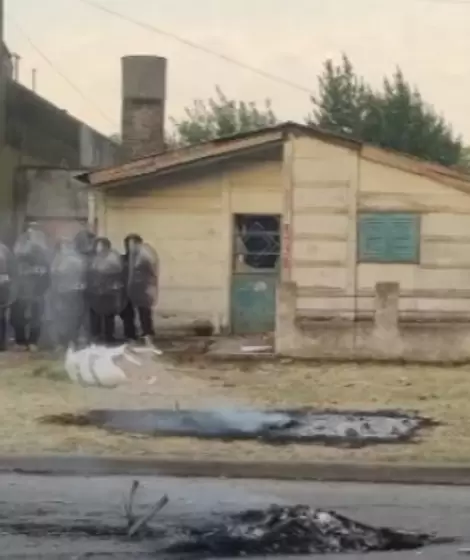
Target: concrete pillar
<point>386,334</point>
<point>286,306</point>
<point>387,296</point>
<point>143,105</point>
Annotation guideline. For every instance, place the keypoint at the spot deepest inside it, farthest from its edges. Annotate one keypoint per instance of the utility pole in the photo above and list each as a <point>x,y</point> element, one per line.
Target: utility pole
<point>5,189</point>
<point>3,77</point>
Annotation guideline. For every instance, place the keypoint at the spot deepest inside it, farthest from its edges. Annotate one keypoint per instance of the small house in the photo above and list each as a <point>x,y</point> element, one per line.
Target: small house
<point>294,213</point>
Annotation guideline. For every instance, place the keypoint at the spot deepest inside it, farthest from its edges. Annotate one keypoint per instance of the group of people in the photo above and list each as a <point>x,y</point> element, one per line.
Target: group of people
<point>73,292</point>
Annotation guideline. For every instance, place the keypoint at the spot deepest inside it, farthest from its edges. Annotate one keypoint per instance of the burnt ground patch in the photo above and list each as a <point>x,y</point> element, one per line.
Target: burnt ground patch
<point>350,428</point>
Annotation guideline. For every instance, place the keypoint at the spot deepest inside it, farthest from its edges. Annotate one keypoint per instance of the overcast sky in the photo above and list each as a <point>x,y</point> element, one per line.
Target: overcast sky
<point>429,39</point>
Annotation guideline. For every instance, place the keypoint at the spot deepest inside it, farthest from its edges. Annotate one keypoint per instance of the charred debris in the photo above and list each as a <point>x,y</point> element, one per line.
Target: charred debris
<point>283,530</point>
<point>276,530</point>
<point>292,530</point>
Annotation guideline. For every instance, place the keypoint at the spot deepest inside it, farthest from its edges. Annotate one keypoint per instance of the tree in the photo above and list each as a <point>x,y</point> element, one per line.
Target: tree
<point>394,117</point>
<point>464,162</point>
<point>341,105</point>
<point>218,117</point>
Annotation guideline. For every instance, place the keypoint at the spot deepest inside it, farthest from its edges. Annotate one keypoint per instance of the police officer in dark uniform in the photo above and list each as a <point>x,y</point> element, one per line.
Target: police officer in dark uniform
<point>105,290</point>
<point>8,284</point>
<point>84,243</point>
<point>140,263</point>
<point>33,259</point>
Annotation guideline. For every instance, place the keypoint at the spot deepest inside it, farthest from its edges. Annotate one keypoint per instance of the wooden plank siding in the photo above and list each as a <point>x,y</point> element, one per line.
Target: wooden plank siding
<point>332,186</point>
<point>324,210</point>
<point>439,285</point>
<point>190,225</point>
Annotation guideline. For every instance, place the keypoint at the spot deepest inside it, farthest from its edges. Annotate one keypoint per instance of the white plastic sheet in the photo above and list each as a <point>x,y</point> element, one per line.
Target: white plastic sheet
<point>96,365</point>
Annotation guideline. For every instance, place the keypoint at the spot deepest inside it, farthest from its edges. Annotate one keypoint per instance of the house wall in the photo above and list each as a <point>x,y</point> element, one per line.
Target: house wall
<point>323,237</point>
<point>189,222</point>
<point>439,285</point>
<point>331,184</point>
<point>414,312</point>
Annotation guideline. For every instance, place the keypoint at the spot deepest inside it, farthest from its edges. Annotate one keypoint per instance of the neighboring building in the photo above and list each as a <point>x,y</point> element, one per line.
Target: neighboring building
<point>39,134</point>
<point>37,129</point>
<point>36,133</point>
<point>54,199</point>
<point>321,219</point>
<point>46,147</point>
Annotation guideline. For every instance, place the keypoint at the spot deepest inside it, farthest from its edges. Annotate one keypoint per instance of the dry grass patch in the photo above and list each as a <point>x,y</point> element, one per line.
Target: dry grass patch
<point>34,387</point>
<point>438,392</point>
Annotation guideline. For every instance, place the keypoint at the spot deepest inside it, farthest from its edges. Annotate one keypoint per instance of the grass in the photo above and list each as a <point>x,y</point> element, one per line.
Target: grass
<point>33,387</point>
<point>440,393</point>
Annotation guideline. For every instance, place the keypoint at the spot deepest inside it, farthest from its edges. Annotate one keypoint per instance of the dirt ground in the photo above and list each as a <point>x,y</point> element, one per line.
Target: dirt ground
<point>34,386</point>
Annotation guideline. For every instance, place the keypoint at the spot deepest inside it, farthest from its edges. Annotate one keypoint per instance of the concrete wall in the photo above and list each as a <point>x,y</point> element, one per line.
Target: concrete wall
<point>10,194</point>
<point>189,222</point>
<point>40,134</point>
<point>39,129</point>
<point>96,150</point>
<point>385,337</point>
<point>52,197</point>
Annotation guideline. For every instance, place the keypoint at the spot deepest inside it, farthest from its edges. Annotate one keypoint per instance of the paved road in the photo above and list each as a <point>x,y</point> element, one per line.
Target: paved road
<point>28,501</point>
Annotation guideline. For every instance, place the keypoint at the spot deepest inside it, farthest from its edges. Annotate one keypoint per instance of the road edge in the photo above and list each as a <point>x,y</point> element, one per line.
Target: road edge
<point>79,465</point>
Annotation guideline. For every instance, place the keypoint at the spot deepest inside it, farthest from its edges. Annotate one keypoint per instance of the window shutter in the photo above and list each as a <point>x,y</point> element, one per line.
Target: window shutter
<point>388,237</point>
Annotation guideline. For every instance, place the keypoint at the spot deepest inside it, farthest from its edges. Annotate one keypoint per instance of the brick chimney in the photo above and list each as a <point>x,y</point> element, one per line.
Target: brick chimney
<point>143,105</point>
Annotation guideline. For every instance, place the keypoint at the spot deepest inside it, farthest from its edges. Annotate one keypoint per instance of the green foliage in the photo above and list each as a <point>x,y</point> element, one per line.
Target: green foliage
<point>394,117</point>
<point>341,105</point>
<point>219,117</point>
<point>464,161</point>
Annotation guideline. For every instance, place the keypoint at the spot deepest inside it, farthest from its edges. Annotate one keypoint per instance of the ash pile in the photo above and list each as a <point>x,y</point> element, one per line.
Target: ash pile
<point>292,530</point>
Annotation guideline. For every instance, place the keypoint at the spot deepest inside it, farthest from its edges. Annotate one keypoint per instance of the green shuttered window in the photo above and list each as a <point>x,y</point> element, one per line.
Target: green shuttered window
<point>388,237</point>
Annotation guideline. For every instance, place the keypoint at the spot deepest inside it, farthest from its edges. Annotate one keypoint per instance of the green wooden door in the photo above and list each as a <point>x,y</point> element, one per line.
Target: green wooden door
<point>253,303</point>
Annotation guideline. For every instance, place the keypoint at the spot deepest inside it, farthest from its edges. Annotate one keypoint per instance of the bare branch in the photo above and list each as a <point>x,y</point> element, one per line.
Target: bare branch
<point>142,521</point>
<point>128,506</point>
<point>135,522</point>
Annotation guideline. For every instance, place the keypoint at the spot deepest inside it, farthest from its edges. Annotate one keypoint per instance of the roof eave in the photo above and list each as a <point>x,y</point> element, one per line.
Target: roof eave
<point>111,178</point>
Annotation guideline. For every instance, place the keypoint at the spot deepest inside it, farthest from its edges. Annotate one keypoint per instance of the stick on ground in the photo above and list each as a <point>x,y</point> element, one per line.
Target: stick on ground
<point>135,523</point>
<point>142,521</point>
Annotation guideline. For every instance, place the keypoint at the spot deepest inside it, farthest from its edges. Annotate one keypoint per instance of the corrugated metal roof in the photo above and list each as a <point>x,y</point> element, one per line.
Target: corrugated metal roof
<point>183,156</point>
<point>174,159</point>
